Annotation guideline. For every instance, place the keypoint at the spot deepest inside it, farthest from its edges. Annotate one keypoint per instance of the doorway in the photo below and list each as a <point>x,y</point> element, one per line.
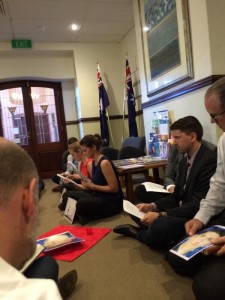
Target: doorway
<point>32,115</point>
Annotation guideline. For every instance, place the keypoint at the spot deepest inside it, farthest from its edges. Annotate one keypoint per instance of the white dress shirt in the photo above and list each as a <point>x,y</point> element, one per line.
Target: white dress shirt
<point>214,203</point>
<point>15,286</point>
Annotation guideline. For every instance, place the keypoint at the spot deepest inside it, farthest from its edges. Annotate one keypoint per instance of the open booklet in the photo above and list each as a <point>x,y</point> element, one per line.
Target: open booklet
<point>69,180</point>
<point>132,209</point>
<point>75,170</point>
<point>192,245</point>
<point>154,187</point>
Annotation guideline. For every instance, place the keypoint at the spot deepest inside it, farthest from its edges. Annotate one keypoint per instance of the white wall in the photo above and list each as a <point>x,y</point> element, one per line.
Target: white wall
<point>191,103</point>
<point>216,10</point>
<point>69,63</point>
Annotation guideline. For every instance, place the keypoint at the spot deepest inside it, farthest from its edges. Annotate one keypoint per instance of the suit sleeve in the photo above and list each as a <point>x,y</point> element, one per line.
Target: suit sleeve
<point>198,188</point>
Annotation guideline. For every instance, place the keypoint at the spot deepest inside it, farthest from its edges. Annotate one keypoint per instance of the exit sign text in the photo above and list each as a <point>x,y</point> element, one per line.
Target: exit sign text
<point>21,44</point>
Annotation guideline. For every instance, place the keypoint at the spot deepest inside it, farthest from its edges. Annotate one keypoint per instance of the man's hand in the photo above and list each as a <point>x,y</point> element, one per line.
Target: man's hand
<point>145,207</point>
<point>193,226</point>
<point>171,189</point>
<point>149,218</point>
<point>219,245</point>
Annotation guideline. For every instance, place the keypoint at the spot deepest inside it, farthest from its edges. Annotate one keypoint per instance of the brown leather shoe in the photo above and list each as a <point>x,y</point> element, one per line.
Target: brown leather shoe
<point>67,283</point>
<point>57,189</point>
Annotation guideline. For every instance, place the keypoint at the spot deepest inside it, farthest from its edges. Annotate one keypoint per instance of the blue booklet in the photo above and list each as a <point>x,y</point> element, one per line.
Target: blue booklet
<point>200,241</point>
<point>58,240</point>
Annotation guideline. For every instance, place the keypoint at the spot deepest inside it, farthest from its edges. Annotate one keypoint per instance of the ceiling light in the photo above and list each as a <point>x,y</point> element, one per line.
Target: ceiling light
<point>145,28</point>
<point>41,28</point>
<point>74,27</point>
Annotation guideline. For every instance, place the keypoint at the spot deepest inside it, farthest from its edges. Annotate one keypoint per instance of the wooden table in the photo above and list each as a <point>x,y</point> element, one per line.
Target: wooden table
<point>127,173</point>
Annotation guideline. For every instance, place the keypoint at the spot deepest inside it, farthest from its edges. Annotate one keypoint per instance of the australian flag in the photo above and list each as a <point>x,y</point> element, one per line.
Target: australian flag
<point>130,103</point>
<point>103,104</point>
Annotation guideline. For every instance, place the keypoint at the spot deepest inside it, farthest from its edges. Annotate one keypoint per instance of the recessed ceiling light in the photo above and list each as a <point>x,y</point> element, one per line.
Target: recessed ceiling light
<point>41,28</point>
<point>74,27</point>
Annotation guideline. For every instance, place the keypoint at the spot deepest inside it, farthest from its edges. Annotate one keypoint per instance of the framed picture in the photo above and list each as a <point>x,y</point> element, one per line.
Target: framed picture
<point>166,43</point>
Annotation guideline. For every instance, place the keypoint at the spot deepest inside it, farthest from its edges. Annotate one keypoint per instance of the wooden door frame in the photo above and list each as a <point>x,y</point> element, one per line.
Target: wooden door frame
<point>26,85</point>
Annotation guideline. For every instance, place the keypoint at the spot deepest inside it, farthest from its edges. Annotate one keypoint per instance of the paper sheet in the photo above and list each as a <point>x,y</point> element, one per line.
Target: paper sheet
<point>132,209</point>
<point>69,180</point>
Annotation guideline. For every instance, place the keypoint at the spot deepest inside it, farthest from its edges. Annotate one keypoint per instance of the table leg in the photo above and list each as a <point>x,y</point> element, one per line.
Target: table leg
<point>156,175</point>
<point>129,187</point>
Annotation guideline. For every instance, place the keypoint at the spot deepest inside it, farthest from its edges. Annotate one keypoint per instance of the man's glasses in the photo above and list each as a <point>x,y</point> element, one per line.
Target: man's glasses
<point>215,117</point>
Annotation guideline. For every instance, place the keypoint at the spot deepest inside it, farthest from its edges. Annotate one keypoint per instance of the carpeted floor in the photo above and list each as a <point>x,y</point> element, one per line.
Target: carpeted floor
<point>116,268</point>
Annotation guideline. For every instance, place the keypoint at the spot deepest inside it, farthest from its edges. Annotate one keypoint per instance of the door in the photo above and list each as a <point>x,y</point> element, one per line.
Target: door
<point>32,115</point>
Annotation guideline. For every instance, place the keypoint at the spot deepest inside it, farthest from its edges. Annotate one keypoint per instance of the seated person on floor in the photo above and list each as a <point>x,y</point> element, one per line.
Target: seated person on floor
<point>174,157</point>
<point>19,213</point>
<point>65,167</point>
<point>164,219</point>
<point>84,166</point>
<point>103,196</point>
<point>208,271</point>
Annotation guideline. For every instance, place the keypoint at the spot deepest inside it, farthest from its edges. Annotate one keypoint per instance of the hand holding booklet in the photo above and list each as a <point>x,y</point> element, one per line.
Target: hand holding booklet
<point>69,180</point>
<point>132,209</point>
<point>195,244</point>
<point>75,170</point>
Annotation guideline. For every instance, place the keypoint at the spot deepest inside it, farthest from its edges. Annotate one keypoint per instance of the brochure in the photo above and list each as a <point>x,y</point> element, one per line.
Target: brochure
<point>75,170</point>
<point>130,166</point>
<point>154,187</point>
<point>139,160</point>
<point>58,240</point>
<point>69,180</point>
<point>132,209</point>
<point>70,210</point>
<point>192,245</point>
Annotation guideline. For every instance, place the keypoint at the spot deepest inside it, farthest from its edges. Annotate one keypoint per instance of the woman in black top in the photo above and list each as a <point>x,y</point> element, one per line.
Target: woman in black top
<point>103,196</point>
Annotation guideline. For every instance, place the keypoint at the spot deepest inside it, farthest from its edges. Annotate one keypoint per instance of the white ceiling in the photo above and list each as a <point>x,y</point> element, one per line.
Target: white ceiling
<point>49,20</point>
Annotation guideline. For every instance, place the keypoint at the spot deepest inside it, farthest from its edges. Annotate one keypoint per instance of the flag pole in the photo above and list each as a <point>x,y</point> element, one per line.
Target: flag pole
<point>123,113</point>
<point>124,98</point>
<point>110,130</point>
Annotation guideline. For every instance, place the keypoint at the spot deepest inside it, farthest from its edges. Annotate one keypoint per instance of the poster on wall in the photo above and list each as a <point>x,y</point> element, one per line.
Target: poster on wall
<point>158,137</point>
<point>166,41</point>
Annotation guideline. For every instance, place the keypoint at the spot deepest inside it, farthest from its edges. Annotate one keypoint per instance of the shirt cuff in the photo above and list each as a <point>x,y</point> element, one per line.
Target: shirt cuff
<point>154,206</point>
<point>169,186</point>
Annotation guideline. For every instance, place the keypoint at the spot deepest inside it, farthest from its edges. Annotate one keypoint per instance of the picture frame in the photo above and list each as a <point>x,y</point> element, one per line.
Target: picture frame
<point>166,44</point>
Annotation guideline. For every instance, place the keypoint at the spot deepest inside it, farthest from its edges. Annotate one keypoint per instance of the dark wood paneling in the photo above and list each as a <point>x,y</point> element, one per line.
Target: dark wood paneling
<point>181,91</point>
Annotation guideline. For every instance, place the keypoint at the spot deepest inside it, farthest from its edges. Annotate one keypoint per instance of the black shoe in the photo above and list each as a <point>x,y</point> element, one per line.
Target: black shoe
<point>127,230</point>
<point>62,206</point>
<point>67,283</point>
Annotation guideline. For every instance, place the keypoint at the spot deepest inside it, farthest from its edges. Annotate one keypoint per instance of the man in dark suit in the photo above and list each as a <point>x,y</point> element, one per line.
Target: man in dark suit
<point>164,219</point>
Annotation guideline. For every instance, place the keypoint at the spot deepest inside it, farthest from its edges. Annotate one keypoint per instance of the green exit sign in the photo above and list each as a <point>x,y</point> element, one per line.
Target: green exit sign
<point>21,44</point>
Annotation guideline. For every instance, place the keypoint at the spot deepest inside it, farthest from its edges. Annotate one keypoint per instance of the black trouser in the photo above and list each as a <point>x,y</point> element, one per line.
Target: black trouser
<point>208,272</point>
<point>163,232</point>
<point>91,206</point>
<point>141,195</point>
<point>44,267</point>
